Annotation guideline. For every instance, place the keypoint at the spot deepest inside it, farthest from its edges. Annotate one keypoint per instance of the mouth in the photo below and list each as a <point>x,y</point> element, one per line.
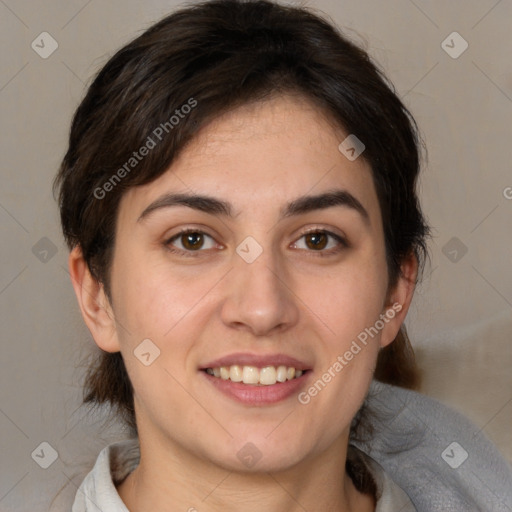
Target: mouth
<point>254,376</point>
<point>257,380</point>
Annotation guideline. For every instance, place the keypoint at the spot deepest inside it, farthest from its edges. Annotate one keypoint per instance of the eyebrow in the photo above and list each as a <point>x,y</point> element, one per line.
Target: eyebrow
<point>301,205</point>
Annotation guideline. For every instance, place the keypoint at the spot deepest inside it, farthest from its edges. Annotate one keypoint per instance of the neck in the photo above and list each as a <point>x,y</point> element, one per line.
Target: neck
<point>179,481</point>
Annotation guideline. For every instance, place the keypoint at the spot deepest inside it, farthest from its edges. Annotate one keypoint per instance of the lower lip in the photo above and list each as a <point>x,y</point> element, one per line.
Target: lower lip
<point>258,395</point>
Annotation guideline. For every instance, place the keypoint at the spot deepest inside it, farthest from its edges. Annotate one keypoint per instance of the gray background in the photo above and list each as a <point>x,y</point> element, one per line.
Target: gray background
<point>460,322</point>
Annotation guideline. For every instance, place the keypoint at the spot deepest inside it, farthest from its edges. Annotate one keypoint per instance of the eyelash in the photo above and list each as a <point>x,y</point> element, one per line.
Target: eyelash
<point>322,253</point>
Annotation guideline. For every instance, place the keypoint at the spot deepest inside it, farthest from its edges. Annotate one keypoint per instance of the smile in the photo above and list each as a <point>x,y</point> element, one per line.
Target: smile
<point>252,375</point>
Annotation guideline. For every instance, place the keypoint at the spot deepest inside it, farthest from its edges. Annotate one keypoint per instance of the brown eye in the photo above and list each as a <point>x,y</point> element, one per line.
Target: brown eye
<point>316,240</point>
<point>322,242</point>
<point>191,241</point>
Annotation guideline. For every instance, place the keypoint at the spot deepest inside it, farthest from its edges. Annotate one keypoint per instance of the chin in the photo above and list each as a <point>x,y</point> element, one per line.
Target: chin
<point>257,454</point>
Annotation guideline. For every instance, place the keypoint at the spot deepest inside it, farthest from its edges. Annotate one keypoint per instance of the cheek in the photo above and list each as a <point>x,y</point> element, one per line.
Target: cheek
<point>171,309</point>
<point>151,300</point>
<point>151,304</point>
<point>349,304</point>
<point>350,298</point>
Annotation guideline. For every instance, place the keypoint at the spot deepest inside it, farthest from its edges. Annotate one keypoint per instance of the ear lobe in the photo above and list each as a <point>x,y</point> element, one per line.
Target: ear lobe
<point>94,304</point>
<point>399,299</point>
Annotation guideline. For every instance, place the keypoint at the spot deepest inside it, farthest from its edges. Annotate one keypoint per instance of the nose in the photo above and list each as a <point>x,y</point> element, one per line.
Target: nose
<point>259,297</point>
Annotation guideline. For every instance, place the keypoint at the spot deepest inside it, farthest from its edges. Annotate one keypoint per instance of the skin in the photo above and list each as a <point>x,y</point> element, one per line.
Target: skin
<point>289,300</point>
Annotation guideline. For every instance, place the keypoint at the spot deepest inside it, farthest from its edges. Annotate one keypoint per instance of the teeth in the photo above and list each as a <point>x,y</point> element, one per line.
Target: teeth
<point>266,376</point>
<point>281,374</point>
<point>235,373</point>
<point>250,375</point>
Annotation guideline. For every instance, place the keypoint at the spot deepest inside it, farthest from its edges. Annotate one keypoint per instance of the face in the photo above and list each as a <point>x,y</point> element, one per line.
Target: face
<point>281,269</point>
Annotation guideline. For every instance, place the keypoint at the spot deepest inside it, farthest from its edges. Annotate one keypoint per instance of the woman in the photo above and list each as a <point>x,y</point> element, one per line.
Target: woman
<point>239,199</point>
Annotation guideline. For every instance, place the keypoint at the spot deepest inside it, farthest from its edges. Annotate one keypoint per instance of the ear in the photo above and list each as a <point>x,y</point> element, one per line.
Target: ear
<point>399,299</point>
<point>94,304</point>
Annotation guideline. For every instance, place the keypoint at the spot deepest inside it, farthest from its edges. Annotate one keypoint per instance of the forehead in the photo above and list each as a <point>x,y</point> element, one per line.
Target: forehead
<point>261,156</point>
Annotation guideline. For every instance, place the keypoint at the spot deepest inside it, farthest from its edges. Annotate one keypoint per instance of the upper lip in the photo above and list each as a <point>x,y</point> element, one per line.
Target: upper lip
<point>260,361</point>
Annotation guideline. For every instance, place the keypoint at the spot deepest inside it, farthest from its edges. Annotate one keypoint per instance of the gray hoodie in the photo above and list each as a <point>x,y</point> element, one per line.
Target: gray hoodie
<point>423,456</point>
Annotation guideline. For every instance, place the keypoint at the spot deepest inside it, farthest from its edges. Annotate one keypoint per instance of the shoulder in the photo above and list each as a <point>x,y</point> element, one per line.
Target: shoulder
<point>98,489</point>
<point>434,453</point>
